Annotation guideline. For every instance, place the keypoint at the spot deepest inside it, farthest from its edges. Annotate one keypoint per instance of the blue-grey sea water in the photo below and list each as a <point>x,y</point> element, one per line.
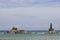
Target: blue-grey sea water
<point>39,34</point>
<point>33,36</point>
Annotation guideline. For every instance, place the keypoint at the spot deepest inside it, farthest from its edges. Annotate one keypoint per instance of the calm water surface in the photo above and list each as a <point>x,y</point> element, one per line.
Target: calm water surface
<point>28,35</point>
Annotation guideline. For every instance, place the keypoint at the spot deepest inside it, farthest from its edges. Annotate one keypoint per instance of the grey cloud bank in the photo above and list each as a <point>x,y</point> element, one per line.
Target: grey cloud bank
<point>29,14</point>
<point>28,3</point>
<point>29,18</point>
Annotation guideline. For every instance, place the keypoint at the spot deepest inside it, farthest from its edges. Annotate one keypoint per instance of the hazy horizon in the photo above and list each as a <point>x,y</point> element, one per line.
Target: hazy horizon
<point>29,14</point>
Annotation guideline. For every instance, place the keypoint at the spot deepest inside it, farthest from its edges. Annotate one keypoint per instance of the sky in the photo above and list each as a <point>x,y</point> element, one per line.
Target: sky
<point>29,14</point>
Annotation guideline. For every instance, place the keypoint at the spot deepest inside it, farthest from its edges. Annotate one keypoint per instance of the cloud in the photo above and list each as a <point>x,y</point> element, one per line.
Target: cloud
<point>22,0</point>
<point>9,27</point>
<point>28,3</point>
<point>35,17</point>
<point>29,17</point>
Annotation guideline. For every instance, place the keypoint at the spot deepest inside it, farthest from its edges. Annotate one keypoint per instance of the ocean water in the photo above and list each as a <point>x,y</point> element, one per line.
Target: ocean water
<point>38,36</point>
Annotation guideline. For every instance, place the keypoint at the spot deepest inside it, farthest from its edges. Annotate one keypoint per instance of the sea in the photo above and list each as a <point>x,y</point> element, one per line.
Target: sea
<point>36,35</point>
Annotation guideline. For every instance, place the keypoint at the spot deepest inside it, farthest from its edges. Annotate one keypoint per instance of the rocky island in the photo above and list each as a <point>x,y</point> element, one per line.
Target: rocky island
<point>15,30</point>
